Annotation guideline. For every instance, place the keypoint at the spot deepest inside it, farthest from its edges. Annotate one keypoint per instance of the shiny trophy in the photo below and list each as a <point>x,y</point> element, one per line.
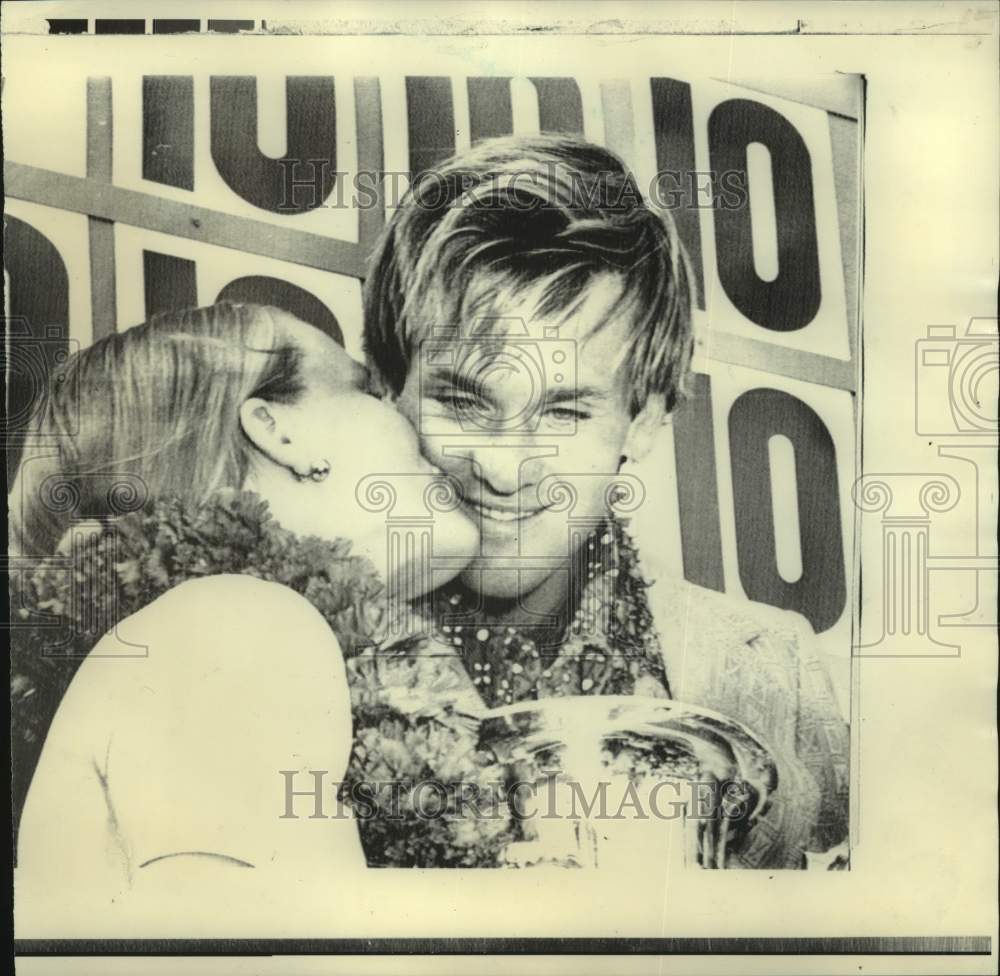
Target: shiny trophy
<point>626,782</point>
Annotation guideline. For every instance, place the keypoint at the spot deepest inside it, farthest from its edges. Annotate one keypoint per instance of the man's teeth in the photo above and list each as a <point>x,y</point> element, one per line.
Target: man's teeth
<point>503,514</point>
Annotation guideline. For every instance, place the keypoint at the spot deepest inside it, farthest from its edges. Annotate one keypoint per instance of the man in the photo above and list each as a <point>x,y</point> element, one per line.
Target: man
<point>530,314</point>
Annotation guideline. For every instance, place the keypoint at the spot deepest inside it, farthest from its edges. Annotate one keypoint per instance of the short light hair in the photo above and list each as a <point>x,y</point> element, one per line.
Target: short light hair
<point>547,213</point>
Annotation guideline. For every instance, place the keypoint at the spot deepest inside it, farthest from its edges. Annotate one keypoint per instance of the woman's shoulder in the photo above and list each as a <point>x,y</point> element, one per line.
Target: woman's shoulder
<point>201,608</point>
<point>221,659</point>
<point>208,692</point>
<point>226,631</point>
<point>224,591</point>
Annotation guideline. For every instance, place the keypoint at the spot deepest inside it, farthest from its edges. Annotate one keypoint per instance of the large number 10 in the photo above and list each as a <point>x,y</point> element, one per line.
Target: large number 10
<point>820,592</point>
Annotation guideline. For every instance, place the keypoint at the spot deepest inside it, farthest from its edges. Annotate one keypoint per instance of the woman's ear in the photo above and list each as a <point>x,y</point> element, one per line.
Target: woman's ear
<point>644,429</point>
<point>266,426</point>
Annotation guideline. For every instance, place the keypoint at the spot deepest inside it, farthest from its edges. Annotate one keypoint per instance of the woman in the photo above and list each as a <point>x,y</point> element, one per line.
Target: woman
<point>202,501</point>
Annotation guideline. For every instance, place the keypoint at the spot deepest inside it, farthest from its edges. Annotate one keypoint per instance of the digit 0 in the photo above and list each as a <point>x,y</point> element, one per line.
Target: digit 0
<point>820,593</point>
<point>791,300</point>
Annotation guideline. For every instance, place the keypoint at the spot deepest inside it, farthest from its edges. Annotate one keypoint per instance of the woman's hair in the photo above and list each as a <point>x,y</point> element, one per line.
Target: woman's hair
<point>147,412</point>
<point>542,213</point>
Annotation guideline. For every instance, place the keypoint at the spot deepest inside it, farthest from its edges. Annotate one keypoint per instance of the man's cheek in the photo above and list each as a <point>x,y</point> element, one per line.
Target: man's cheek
<point>430,448</point>
<point>434,449</point>
<point>592,452</point>
<point>417,413</point>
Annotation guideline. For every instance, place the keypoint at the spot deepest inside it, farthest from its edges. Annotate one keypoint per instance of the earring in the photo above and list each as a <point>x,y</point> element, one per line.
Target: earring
<point>317,472</point>
<point>320,471</point>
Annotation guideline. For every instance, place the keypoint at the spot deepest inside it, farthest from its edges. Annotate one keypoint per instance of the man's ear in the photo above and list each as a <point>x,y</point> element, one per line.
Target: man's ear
<point>644,429</point>
<point>265,424</point>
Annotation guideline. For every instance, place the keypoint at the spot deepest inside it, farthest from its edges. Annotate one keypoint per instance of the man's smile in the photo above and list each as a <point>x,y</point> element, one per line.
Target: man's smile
<point>501,514</point>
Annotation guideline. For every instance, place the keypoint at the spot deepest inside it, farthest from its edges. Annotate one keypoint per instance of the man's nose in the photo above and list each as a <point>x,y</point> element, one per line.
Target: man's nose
<point>506,466</point>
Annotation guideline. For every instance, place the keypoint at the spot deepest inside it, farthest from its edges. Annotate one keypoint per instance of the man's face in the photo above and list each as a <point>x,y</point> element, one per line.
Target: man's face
<point>513,412</point>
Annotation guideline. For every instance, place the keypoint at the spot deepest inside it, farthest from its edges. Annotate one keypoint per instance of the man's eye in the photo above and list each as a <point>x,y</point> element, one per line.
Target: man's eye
<point>565,415</point>
<point>455,401</point>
